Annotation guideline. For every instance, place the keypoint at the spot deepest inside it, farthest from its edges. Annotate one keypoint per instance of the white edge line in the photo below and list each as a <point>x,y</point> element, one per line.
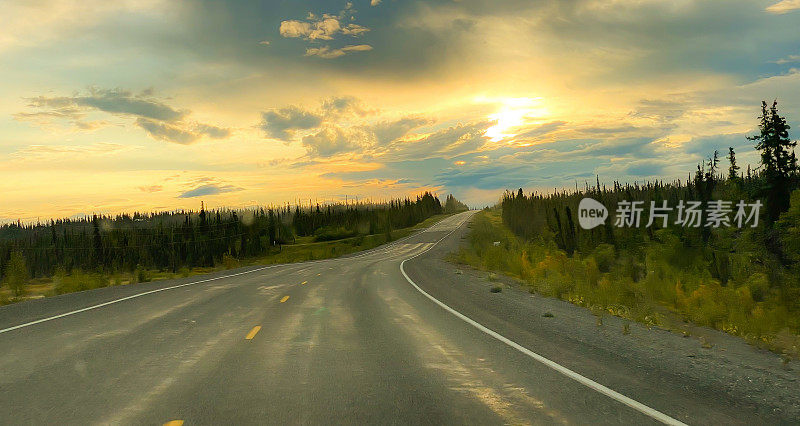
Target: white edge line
<point>111,302</point>
<point>636,405</point>
<point>133,296</point>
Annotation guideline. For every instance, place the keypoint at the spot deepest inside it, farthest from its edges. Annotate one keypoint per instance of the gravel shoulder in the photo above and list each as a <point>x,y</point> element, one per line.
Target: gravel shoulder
<point>706,377</point>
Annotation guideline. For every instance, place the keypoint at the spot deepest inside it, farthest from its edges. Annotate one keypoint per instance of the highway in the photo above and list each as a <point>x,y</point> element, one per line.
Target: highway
<point>395,335</point>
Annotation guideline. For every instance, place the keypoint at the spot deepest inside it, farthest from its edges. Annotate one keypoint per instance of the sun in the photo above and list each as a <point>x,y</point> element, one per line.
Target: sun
<point>512,115</point>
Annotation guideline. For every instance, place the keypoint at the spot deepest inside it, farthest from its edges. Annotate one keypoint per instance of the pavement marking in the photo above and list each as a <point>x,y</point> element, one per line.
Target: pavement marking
<point>304,282</point>
<point>253,333</point>
<point>636,405</point>
<point>111,302</point>
<point>285,298</point>
<point>174,423</point>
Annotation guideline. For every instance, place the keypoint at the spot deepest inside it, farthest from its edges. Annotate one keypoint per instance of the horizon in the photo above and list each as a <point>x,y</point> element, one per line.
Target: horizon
<point>134,106</point>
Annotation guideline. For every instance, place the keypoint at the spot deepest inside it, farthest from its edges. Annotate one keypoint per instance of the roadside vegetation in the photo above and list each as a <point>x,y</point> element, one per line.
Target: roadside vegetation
<point>74,255</point>
<point>744,281</point>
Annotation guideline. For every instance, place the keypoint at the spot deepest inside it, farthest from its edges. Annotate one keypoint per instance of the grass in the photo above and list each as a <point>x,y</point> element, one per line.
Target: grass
<point>305,249</point>
<point>667,296</point>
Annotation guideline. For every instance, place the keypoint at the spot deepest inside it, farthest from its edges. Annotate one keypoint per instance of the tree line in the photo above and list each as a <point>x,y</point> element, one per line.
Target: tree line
<point>169,241</point>
<point>758,264</point>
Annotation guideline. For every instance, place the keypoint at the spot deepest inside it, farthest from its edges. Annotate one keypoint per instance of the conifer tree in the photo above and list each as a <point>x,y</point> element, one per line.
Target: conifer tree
<point>777,159</point>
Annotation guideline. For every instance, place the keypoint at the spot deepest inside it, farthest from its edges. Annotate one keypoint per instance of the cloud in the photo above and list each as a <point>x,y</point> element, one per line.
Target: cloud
<point>788,60</point>
<point>209,189</point>
<point>326,28</point>
<point>541,130</point>
<point>354,30</point>
<point>166,132</point>
<point>662,110</point>
<point>159,120</point>
<point>338,106</point>
<point>784,6</point>
<point>389,131</point>
<point>374,2</point>
<point>343,126</point>
<point>296,29</point>
<point>113,101</point>
<point>57,151</point>
<point>183,134</point>
<point>213,132</point>
<point>333,140</point>
<point>326,52</point>
<point>280,123</point>
<point>445,143</point>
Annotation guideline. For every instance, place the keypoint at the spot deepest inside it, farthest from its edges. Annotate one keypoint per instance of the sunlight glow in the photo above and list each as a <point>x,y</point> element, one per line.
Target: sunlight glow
<point>513,114</point>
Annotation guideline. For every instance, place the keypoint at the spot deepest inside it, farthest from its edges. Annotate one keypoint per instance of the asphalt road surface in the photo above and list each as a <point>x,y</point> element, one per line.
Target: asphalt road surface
<point>355,340</point>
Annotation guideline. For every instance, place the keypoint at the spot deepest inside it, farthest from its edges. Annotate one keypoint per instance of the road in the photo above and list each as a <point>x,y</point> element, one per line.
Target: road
<point>354,340</point>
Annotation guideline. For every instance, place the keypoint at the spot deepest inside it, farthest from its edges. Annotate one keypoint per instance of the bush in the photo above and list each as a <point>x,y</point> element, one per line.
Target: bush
<point>16,274</point>
<point>78,280</point>
<point>662,283</point>
<point>604,255</point>
<point>327,233</point>
<point>229,261</point>
<point>142,275</point>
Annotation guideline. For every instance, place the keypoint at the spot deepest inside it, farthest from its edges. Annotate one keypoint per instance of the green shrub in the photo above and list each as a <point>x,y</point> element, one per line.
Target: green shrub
<point>660,281</point>
<point>328,233</point>
<point>16,273</point>
<point>229,262</point>
<point>142,275</point>
<point>605,256</point>
<point>77,280</point>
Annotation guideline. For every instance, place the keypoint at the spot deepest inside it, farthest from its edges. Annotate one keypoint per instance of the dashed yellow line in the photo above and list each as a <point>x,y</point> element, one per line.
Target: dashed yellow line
<point>285,298</point>
<point>304,282</point>
<point>174,423</point>
<point>249,336</point>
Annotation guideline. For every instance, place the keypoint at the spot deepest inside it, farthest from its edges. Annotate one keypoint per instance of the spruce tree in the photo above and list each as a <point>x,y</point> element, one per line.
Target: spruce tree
<point>777,159</point>
<point>733,170</point>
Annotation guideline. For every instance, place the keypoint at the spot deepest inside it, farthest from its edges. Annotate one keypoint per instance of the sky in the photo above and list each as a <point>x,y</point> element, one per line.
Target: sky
<point>123,106</point>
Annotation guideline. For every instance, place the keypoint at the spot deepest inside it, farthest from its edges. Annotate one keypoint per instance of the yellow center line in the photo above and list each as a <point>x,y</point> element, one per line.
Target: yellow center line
<point>250,336</point>
<point>304,282</point>
<point>174,423</point>
<point>285,298</point>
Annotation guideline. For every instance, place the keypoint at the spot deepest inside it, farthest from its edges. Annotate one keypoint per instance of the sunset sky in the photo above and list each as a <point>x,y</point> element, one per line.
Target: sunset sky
<point>139,105</point>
